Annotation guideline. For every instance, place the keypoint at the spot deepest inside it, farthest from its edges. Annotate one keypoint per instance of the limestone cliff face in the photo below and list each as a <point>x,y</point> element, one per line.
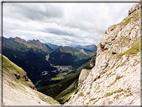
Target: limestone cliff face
<point>115,78</point>
<point>18,88</point>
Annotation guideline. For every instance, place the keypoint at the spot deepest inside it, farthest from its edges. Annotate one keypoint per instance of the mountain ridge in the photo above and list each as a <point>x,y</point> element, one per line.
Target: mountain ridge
<point>86,48</point>
<point>34,43</point>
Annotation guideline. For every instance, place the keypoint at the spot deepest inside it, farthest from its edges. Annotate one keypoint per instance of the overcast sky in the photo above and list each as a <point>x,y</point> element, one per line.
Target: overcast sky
<point>62,23</point>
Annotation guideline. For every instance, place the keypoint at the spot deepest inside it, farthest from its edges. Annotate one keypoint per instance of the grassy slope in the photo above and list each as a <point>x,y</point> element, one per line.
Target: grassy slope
<point>9,71</point>
<point>54,90</point>
<point>64,89</point>
<point>133,50</point>
<point>64,95</point>
<point>13,69</point>
<point>62,77</point>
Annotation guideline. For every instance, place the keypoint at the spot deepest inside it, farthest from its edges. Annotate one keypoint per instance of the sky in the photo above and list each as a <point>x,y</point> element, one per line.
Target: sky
<point>63,24</point>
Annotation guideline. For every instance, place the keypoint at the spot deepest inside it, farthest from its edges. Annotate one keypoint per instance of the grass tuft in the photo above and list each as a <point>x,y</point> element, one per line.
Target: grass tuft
<point>117,78</point>
<point>91,99</point>
<point>80,94</point>
<point>133,50</point>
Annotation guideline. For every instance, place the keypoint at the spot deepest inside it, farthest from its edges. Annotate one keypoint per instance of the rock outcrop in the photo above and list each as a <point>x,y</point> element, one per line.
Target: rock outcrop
<point>134,8</point>
<point>115,78</point>
<point>92,61</point>
<point>18,88</point>
<point>83,75</point>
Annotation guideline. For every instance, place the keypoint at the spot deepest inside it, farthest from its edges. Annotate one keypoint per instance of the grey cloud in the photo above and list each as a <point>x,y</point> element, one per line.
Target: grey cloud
<point>59,32</point>
<point>34,11</point>
<point>99,16</point>
<point>61,23</point>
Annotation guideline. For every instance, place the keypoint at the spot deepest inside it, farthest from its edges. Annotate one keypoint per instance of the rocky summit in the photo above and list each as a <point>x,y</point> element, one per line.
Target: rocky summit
<point>33,43</point>
<point>115,78</point>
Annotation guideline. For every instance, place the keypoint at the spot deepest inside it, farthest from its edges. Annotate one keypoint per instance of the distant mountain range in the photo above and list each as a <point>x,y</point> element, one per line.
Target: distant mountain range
<point>68,56</point>
<point>87,48</point>
<point>53,46</point>
<point>37,58</point>
<point>29,55</point>
<point>33,43</point>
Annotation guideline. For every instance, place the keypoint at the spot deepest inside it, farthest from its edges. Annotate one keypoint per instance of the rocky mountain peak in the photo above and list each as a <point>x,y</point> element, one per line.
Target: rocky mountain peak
<point>38,44</point>
<point>33,43</point>
<point>17,39</point>
<point>126,31</point>
<point>134,8</point>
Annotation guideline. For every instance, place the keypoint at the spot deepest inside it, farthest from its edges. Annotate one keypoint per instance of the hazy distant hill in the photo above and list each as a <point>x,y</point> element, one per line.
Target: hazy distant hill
<point>3,38</point>
<point>68,56</point>
<point>87,48</point>
<point>53,46</point>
